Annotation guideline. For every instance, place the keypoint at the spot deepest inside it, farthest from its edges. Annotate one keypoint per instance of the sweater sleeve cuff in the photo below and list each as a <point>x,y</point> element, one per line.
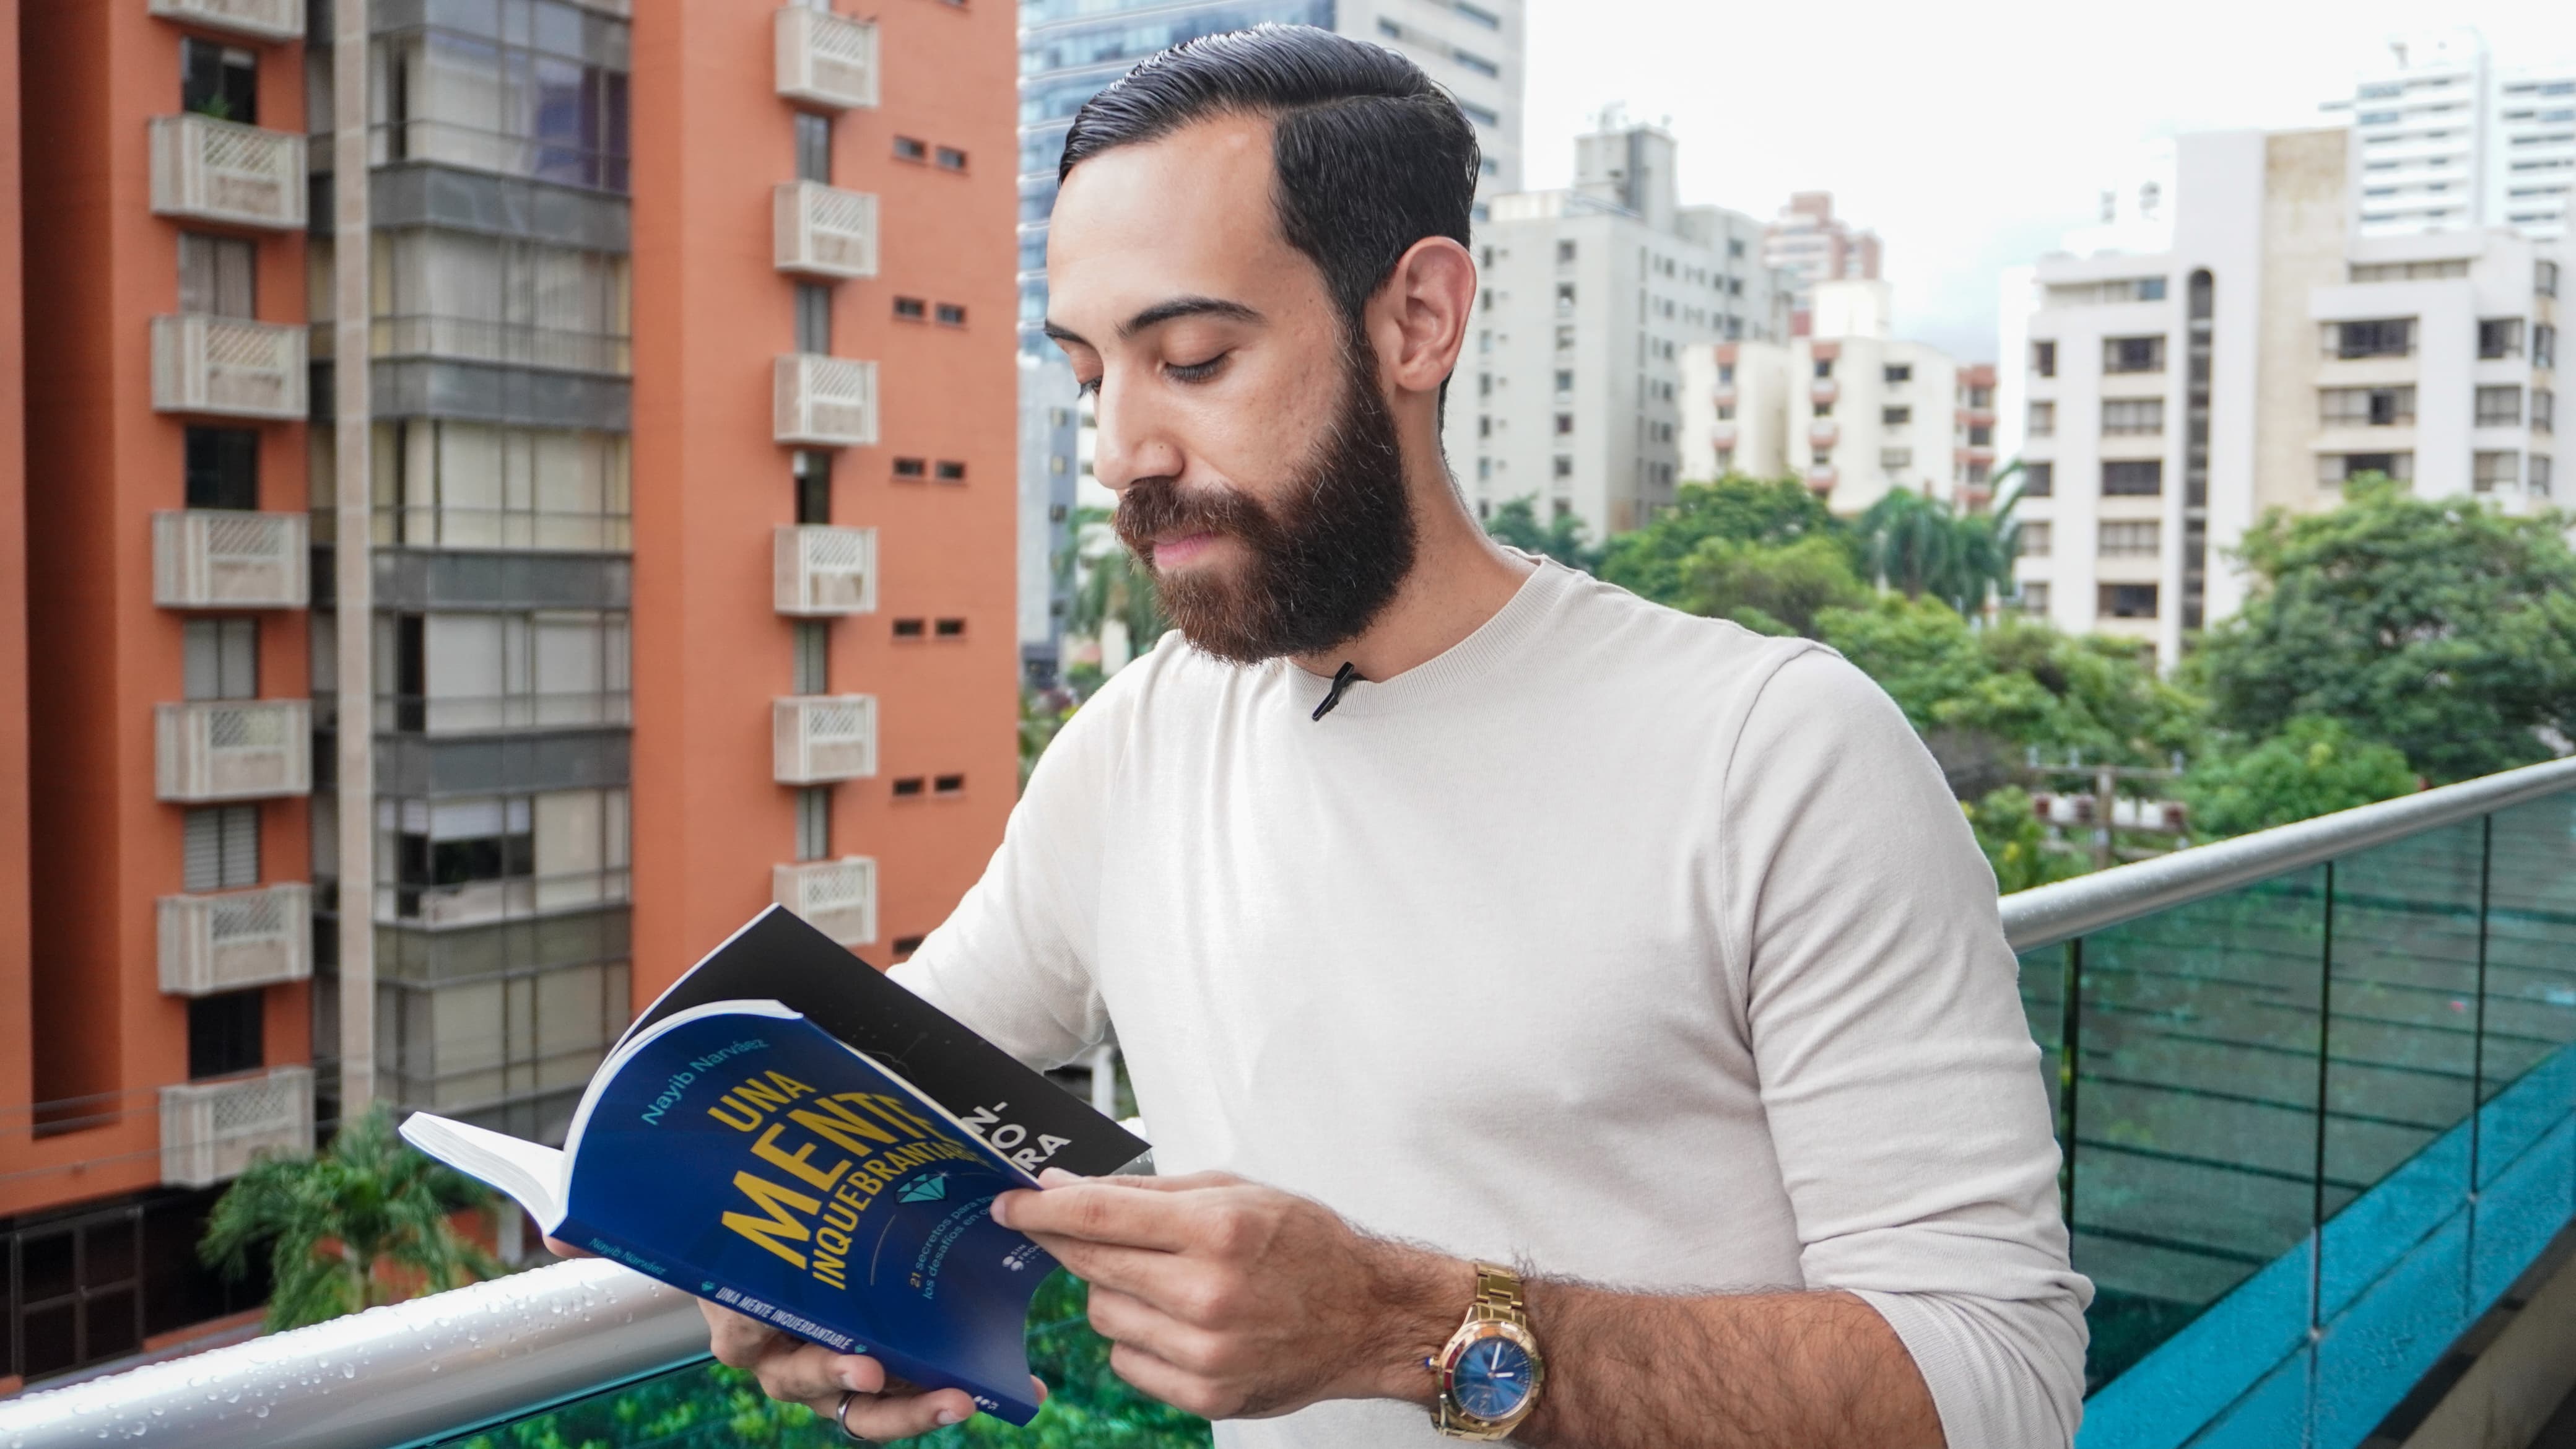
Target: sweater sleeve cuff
<point>1985,1386</point>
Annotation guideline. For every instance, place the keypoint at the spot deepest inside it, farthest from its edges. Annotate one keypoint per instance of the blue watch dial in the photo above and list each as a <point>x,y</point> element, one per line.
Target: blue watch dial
<point>1492,1378</point>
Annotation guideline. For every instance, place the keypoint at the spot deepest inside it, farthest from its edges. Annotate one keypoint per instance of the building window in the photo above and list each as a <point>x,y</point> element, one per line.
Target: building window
<point>813,473</point>
<point>1825,367</point>
<point>912,467</point>
<point>910,309</point>
<point>2131,539</point>
<point>1564,298</point>
<point>220,658</point>
<point>544,111</point>
<point>2544,406</point>
<point>911,628</point>
<point>2034,596</point>
<point>2544,278</point>
<point>908,148</point>
<point>814,823</point>
<point>1894,458</point>
<point>813,147</point>
<point>951,315</point>
<point>814,319</point>
<point>221,81</point>
<point>910,786</point>
<point>222,468</point>
<point>2038,480</point>
<point>949,471</point>
<point>446,293</point>
<point>2366,407</point>
<point>2125,601</point>
<point>224,1034</point>
<point>455,860</point>
<point>2539,484</point>
<point>812,665</point>
<point>904,946</point>
<point>2043,358</point>
<point>2043,420</point>
<point>1564,424</point>
<point>2335,469</point>
<point>1564,253</point>
<point>2544,345</point>
<point>1895,417</point>
<point>463,672</point>
<point>219,848</point>
<point>951,159</point>
<point>1897,372</point>
<point>2037,539</point>
<point>948,629</point>
<point>2133,415</point>
<point>446,484</point>
<point>2133,354</point>
<point>217,275</point>
<point>2380,337</point>
<point>1981,435</point>
<point>2499,407</point>
<point>2133,478</point>
<point>1564,466</point>
<point>948,785</point>
<point>2490,471</point>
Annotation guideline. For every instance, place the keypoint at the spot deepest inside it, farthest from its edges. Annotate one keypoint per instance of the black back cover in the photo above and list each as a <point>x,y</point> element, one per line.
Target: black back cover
<point>778,957</point>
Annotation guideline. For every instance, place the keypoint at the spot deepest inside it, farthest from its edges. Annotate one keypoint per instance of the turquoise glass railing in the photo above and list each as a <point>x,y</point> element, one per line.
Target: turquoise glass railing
<point>2315,1090</point>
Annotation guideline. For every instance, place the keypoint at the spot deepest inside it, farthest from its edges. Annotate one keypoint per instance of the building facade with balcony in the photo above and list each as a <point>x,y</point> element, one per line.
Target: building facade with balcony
<point>673,490</point>
<point>2249,350</point>
<point>2448,137</point>
<point>1806,240</point>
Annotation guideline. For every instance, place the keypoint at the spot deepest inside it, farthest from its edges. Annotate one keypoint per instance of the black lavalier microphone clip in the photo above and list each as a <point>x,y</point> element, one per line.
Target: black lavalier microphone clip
<point>1342,678</point>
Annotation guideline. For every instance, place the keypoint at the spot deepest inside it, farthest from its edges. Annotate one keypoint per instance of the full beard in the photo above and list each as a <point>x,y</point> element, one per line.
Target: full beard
<point>1323,564</point>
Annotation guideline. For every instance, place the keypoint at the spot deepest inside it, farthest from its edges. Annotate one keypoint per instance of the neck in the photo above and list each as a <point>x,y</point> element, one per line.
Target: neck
<point>1460,578</point>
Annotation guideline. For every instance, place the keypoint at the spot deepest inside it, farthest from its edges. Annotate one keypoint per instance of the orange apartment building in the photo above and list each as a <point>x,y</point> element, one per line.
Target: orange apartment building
<point>683,460</point>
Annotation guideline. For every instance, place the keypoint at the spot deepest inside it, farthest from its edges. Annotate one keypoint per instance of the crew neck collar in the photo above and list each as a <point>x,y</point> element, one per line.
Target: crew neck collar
<point>1462,665</point>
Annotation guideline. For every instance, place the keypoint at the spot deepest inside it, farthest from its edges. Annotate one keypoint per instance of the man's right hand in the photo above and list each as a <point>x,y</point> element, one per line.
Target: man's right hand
<point>796,1372</point>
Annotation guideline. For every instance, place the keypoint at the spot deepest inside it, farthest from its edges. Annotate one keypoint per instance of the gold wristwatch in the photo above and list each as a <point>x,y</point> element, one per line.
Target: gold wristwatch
<point>1490,1371</point>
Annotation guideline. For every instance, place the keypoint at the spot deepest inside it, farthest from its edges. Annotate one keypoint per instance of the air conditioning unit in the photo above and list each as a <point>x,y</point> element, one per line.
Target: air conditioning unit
<point>211,1130</point>
<point>233,749</point>
<point>217,558</point>
<point>823,231</point>
<point>236,939</point>
<point>826,59</point>
<point>823,571</point>
<point>227,367</point>
<point>819,738</point>
<point>825,402</point>
<point>209,170</point>
<point>836,897</point>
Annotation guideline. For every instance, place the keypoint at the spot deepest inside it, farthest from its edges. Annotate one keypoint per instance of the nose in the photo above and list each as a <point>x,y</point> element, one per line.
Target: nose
<point>1131,439</point>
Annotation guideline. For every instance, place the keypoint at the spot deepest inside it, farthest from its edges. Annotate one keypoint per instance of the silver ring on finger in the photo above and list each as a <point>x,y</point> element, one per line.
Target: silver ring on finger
<point>841,1416</point>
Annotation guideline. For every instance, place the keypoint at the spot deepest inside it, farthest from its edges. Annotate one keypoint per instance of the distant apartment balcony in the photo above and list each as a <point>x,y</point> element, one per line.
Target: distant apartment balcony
<point>1724,397</point>
<point>823,231</point>
<point>825,59</point>
<point>210,1130</point>
<point>250,19</point>
<point>1821,479</point>
<point>835,897</point>
<point>819,738</point>
<point>823,571</point>
<point>237,939</point>
<point>212,750</point>
<point>209,170</point>
<point>825,402</point>
<point>1822,435</point>
<point>1722,435</point>
<point>214,558</point>
<point>1824,391</point>
<point>227,367</point>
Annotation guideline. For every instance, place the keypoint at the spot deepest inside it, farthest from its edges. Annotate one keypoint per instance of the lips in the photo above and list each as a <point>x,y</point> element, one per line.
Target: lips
<point>1173,550</point>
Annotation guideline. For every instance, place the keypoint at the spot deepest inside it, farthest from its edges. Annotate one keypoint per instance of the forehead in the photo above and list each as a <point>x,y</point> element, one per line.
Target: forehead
<point>1186,213</point>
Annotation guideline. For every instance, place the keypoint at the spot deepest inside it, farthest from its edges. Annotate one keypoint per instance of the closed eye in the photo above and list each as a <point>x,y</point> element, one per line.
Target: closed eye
<point>1195,371</point>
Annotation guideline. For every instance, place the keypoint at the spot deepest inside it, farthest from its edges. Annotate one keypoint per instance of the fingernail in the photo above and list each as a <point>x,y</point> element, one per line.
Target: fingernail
<point>949,1416</point>
<point>1002,1210</point>
<point>850,1380</point>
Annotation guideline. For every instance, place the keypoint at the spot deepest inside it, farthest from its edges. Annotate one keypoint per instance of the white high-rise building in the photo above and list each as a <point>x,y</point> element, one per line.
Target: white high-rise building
<point>2252,348</point>
<point>2448,139</point>
<point>1569,392</point>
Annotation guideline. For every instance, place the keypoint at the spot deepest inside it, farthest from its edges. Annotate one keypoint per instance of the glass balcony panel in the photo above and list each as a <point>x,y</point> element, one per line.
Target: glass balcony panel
<point>2530,1006</point>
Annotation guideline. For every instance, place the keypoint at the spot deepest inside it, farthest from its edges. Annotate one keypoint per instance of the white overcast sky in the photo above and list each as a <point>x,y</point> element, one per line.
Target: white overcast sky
<point>1969,136</point>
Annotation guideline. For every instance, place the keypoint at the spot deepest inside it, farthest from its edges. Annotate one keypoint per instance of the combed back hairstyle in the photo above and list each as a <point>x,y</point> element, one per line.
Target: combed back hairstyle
<point>1370,155</point>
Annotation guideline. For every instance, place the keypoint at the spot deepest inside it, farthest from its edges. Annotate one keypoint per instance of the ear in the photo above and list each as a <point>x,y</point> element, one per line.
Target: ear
<point>1418,319</point>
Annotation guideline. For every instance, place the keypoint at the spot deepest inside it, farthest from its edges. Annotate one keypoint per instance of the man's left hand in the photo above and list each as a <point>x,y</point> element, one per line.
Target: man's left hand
<point>1232,1300</point>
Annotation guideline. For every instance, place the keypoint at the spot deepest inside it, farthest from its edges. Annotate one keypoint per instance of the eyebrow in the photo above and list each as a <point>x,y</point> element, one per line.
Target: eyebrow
<point>1162,312</point>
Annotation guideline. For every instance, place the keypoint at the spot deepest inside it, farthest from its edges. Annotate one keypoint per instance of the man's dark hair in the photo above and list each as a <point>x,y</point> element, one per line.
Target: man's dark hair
<point>1370,155</point>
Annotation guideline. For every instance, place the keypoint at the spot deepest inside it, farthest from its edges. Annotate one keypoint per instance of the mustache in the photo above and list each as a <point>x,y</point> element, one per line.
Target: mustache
<point>1152,508</point>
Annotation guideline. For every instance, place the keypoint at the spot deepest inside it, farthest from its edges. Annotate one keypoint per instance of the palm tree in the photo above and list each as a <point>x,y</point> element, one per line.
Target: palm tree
<point>1112,585</point>
<point>366,1222</point>
<point>1920,546</point>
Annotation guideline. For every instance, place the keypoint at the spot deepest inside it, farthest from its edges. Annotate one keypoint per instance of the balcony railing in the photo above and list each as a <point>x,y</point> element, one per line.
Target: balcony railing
<point>823,571</point>
<point>210,1130</point>
<point>836,897</point>
<point>820,738</point>
<point>213,558</point>
<point>225,942</point>
<point>250,19</point>
<point>825,59</point>
<point>227,367</point>
<point>823,231</point>
<point>1823,435</point>
<point>233,749</point>
<point>209,170</point>
<point>826,402</point>
<point>1824,391</point>
<point>2316,1090</point>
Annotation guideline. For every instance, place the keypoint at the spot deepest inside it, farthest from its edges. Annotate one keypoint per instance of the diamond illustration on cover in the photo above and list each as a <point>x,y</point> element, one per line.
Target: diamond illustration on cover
<point>929,1189</point>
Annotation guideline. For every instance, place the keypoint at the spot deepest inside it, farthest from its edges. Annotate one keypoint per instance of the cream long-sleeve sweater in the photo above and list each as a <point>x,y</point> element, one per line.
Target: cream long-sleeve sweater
<point>1632,945</point>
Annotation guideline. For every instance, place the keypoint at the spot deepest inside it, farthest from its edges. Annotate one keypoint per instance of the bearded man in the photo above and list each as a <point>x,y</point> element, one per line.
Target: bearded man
<point>1556,1016</point>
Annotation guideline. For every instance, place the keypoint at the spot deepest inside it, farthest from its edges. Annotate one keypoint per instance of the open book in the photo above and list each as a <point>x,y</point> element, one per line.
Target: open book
<point>789,1134</point>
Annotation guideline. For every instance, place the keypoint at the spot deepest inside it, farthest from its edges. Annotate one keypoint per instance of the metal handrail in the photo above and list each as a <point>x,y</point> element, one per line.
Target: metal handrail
<point>2046,915</point>
<point>434,1366</point>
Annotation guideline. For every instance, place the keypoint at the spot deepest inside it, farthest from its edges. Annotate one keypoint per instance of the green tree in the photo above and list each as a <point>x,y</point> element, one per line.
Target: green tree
<point>1919,546</point>
<point>363,1223</point>
<point>2016,843</point>
<point>1770,588</point>
<point>2438,626</point>
<point>1042,713</point>
<point>1112,585</point>
<point>1563,537</point>
<point>1654,561</point>
<point>2315,766</point>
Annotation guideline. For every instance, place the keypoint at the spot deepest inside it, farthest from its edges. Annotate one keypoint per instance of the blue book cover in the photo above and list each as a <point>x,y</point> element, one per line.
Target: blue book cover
<point>737,1151</point>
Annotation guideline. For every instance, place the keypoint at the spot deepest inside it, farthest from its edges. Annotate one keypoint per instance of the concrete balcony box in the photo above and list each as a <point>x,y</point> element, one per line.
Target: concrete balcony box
<point>1722,435</point>
<point>825,59</point>
<point>226,942</point>
<point>835,897</point>
<point>210,1130</point>
<point>215,558</point>
<point>825,402</point>
<point>824,571</point>
<point>819,738</point>
<point>209,170</point>
<point>233,749</point>
<point>1824,391</point>
<point>227,367</point>
<point>1823,435</point>
<point>823,231</point>
<point>251,19</point>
